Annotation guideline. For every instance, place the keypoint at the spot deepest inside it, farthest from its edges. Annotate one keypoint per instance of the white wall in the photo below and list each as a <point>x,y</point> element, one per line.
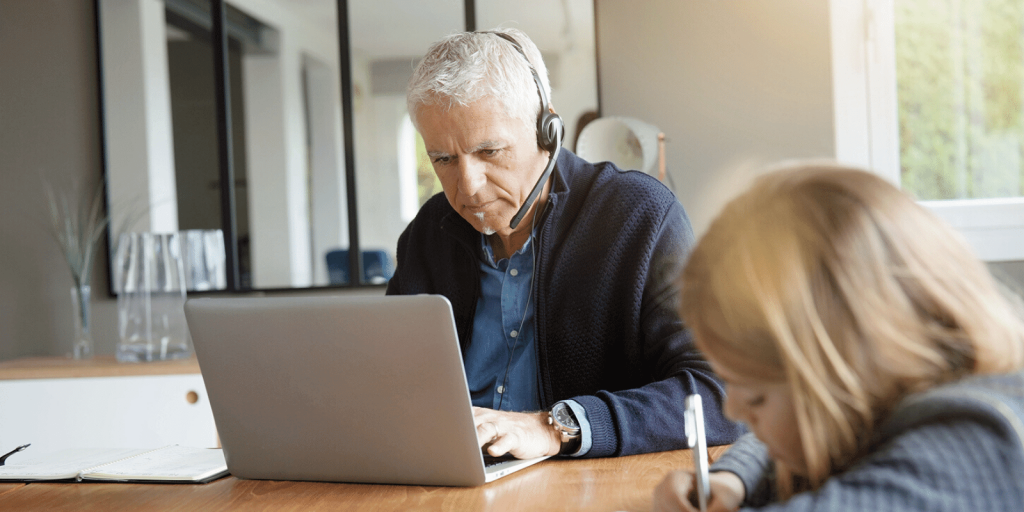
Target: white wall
<point>728,82</point>
<point>49,126</point>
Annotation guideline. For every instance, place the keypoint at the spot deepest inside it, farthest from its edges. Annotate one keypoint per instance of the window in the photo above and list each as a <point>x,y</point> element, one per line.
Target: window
<point>960,86</point>
<point>418,181</point>
<point>930,94</point>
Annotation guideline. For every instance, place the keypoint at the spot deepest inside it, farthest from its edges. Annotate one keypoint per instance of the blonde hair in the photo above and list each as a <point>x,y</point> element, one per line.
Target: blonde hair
<point>832,280</point>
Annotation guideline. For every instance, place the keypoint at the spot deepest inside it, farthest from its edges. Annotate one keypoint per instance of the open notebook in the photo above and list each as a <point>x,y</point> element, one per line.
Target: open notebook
<point>171,464</point>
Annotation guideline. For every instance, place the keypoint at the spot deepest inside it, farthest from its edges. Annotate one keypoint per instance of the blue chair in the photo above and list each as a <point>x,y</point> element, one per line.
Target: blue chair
<point>377,266</point>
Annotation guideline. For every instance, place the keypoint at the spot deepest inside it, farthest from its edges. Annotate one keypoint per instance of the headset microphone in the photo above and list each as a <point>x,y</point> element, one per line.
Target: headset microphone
<point>540,184</point>
<point>550,130</point>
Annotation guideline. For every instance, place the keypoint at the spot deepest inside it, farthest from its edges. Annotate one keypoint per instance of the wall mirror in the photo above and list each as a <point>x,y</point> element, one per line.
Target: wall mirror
<point>325,167</point>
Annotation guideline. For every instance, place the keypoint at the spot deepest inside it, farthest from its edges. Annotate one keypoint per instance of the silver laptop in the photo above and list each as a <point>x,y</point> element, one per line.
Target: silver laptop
<point>340,389</point>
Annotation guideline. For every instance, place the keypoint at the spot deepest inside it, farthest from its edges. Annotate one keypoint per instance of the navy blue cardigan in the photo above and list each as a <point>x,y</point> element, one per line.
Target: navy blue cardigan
<point>611,245</point>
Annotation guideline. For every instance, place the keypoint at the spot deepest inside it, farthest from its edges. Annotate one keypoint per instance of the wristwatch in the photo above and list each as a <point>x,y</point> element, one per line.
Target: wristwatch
<point>564,421</point>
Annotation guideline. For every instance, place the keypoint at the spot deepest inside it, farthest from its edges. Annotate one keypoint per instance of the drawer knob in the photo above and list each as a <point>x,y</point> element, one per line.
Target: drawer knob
<point>192,397</point>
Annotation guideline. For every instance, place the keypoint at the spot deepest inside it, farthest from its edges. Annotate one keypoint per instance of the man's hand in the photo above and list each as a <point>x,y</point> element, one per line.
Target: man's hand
<point>676,492</point>
<point>525,435</point>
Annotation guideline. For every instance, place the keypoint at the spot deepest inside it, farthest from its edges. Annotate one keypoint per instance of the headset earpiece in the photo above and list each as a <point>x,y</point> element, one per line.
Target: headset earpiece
<point>549,130</point>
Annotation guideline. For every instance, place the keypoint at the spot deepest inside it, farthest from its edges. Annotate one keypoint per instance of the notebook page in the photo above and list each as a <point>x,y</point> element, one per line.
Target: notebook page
<point>62,464</point>
<point>183,463</point>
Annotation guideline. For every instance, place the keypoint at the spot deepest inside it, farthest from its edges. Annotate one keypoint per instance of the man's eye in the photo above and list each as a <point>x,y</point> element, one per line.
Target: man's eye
<point>490,152</point>
<point>442,160</point>
<point>756,401</point>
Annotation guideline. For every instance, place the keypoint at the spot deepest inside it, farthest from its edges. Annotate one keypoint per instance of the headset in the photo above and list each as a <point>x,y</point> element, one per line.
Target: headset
<point>550,130</point>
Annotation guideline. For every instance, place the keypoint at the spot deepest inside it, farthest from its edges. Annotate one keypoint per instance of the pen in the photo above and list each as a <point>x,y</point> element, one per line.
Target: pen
<point>693,417</point>
<point>12,452</point>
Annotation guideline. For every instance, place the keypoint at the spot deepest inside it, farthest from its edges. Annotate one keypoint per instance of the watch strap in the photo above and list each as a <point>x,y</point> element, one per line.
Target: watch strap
<point>570,445</point>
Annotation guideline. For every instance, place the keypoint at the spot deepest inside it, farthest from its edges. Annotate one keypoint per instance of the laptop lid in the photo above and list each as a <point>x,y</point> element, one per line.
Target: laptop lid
<point>364,389</point>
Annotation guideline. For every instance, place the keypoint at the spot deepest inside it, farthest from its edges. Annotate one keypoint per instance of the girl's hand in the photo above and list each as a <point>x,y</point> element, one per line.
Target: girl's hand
<point>678,492</point>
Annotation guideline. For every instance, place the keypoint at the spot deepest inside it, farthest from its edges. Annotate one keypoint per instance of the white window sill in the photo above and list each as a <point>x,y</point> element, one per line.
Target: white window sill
<point>993,227</point>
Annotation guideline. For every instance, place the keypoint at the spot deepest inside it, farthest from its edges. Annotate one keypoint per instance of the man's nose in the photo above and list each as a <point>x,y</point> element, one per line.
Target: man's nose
<point>471,176</point>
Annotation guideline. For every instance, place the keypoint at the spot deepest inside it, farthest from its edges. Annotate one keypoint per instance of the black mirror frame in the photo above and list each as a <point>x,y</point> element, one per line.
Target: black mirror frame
<point>225,163</point>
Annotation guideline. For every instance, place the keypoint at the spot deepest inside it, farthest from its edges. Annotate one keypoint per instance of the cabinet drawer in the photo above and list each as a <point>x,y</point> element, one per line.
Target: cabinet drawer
<point>130,412</point>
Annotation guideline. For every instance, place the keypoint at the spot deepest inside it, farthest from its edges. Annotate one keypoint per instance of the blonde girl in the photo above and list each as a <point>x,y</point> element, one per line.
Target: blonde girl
<point>873,358</point>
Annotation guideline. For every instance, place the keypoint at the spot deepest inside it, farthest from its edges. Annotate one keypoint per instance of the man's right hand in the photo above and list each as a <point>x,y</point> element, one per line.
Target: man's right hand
<point>524,435</point>
<point>675,491</point>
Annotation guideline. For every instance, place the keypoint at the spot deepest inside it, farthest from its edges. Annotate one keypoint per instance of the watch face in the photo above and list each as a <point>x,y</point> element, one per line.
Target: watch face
<point>563,415</point>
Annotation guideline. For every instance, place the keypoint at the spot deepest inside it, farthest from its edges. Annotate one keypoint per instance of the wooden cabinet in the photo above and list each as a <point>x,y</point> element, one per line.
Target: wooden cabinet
<point>57,403</point>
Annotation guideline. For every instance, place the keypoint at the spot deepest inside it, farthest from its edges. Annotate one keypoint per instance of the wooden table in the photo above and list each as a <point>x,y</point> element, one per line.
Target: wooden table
<point>99,366</point>
<point>623,483</point>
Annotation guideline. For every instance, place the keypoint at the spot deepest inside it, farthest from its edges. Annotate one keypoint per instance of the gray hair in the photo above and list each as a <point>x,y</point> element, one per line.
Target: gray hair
<point>465,67</point>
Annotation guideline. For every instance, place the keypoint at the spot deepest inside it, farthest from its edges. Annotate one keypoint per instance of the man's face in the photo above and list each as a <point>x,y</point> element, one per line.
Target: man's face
<point>487,161</point>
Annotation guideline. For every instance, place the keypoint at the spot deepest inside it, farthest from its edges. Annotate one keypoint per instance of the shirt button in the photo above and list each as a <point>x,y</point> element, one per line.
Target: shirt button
<point>514,272</point>
<point>501,389</point>
<point>514,334</point>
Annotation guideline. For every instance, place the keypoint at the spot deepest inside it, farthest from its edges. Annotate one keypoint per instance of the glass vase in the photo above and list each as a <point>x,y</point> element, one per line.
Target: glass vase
<point>81,311</point>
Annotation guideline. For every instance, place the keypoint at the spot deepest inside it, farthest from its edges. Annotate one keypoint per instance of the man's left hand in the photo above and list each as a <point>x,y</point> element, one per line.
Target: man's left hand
<point>524,435</point>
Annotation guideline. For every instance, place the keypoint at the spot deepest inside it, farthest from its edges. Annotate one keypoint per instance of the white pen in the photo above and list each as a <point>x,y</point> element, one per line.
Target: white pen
<point>694,423</point>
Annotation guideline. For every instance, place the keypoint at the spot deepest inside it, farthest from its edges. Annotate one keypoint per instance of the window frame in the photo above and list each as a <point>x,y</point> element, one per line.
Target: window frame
<point>867,125</point>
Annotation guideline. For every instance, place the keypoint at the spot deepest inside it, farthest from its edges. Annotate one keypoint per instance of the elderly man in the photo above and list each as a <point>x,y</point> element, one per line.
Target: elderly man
<point>564,289</point>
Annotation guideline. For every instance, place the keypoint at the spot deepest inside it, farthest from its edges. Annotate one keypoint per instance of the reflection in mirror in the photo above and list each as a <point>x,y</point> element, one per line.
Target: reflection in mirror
<point>564,33</point>
<point>287,132</point>
<point>161,139</point>
<point>387,39</point>
<point>191,79</point>
<point>296,186</point>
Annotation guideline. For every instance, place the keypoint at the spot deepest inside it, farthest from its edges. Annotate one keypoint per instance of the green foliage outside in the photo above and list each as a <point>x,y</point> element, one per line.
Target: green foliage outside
<point>427,183</point>
<point>960,84</point>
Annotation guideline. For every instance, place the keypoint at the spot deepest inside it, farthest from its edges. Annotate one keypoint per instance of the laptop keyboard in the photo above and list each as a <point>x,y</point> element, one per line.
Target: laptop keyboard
<point>494,461</point>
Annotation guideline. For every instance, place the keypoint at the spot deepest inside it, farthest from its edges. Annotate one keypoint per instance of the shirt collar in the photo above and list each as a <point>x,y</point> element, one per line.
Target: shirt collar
<point>488,253</point>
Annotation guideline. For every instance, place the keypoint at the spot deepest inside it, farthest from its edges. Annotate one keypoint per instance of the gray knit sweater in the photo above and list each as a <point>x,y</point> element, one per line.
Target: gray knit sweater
<point>959,447</point>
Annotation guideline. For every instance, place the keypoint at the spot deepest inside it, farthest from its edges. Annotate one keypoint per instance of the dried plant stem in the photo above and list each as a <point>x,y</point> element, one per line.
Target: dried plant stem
<point>77,229</point>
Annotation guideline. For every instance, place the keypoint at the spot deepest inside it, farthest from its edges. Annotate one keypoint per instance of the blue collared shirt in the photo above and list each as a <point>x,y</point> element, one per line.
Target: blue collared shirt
<point>503,335</point>
<point>503,325</point>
